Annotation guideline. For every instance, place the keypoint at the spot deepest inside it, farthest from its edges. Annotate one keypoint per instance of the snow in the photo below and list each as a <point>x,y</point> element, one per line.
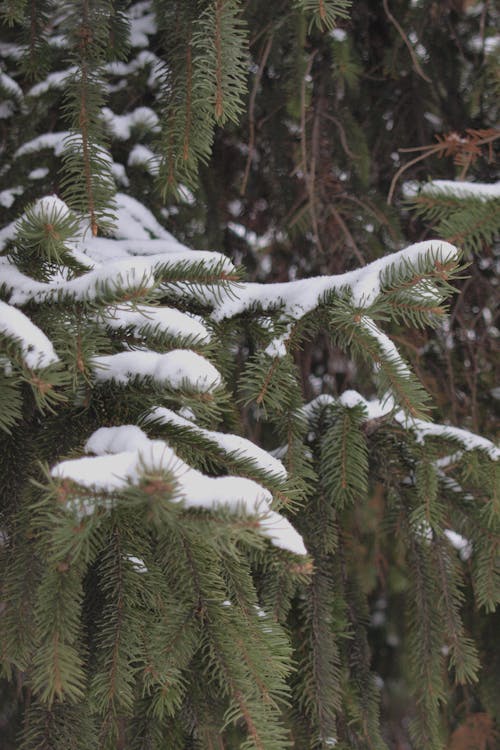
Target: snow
<point>142,156</point>
<point>375,409</point>
<point>386,346</point>
<point>116,440</point>
<point>178,368</point>
<point>296,298</point>
<point>51,206</point>
<point>141,27</point>
<point>137,563</point>
<point>468,440</point>
<point>166,319</point>
<point>15,51</point>
<point>231,444</point>
<point>53,141</point>
<point>8,196</point>
<point>143,59</point>
<point>135,222</point>
<point>379,408</point>
<point>36,348</point>
<point>113,469</point>
<point>121,126</point>
<point>340,35</point>
<point>10,86</point>
<point>120,274</point>
<point>456,188</point>
<point>458,542</point>
<point>38,174</point>
<point>54,80</point>
<point>6,109</point>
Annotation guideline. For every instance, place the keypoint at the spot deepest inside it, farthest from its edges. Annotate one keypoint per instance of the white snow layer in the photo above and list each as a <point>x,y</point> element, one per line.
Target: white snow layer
<point>300,297</point>
<point>55,80</point>
<point>165,319</point>
<point>125,454</point>
<point>10,86</point>
<point>115,275</point>
<point>36,348</point>
<point>377,409</point>
<point>177,368</point>
<point>468,440</point>
<point>461,189</point>
<point>121,126</point>
<point>231,444</point>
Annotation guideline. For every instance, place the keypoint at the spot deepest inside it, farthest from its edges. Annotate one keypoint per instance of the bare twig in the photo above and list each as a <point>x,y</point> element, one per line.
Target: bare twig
<point>350,239</point>
<point>405,39</point>
<point>402,169</point>
<point>343,137</point>
<point>251,111</point>
<point>308,175</point>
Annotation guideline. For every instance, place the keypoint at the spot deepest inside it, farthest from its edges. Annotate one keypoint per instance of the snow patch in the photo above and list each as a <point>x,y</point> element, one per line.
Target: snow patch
<point>234,444</point>
<point>37,349</point>
<point>177,368</point>
<point>114,469</point>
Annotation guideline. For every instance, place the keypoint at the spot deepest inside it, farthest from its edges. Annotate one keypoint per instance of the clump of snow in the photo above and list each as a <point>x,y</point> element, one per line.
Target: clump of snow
<point>142,26</point>
<point>8,196</point>
<point>458,542</point>
<point>231,444</point>
<point>137,563</point>
<point>36,348</point>
<point>386,346</point>
<point>135,222</point>
<point>121,126</point>
<point>165,319</point>
<point>118,274</point>
<point>375,409</point>
<point>38,174</point>
<point>53,141</point>
<point>142,156</point>
<point>51,205</point>
<point>144,59</point>
<point>54,80</point>
<point>9,85</point>
<point>177,368</point>
<point>456,188</point>
<point>116,440</point>
<point>468,440</point>
<point>114,469</point>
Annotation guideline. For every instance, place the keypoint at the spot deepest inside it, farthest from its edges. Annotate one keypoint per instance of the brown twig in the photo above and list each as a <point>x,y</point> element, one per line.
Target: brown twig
<point>343,137</point>
<point>405,39</point>
<point>308,175</point>
<point>402,169</point>
<point>251,111</point>
<point>350,239</point>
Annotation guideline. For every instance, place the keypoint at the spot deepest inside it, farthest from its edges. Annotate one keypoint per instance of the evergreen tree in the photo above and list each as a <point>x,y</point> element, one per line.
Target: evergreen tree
<point>196,553</point>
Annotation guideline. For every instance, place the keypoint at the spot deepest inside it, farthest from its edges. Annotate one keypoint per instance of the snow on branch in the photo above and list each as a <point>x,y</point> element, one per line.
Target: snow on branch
<point>296,298</point>
<point>178,368</point>
<point>36,348</point>
<point>460,189</point>
<point>468,440</point>
<point>231,444</point>
<point>385,408</point>
<point>124,455</point>
<point>144,319</point>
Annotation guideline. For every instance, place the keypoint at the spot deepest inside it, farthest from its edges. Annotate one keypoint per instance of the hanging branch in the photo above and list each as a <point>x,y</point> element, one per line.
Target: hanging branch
<point>251,111</point>
<point>405,39</point>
